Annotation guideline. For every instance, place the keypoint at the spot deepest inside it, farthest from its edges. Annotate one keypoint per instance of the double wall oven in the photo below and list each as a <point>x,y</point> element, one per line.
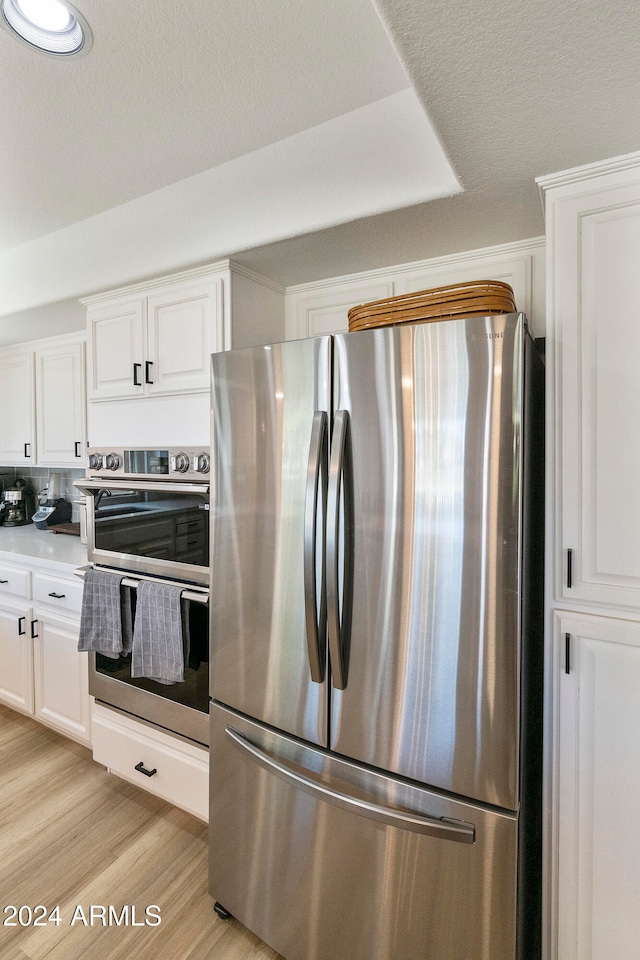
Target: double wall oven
<point>148,518</point>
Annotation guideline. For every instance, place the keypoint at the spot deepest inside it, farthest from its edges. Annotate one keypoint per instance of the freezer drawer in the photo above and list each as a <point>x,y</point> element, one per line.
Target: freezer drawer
<point>322,858</point>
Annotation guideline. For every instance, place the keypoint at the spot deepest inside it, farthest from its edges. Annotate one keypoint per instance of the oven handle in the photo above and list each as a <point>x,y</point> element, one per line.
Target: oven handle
<point>198,597</point>
<point>92,484</point>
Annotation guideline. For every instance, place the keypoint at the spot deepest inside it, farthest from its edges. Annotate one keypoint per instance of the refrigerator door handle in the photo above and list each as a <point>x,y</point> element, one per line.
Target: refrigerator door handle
<point>316,484</point>
<point>340,491</point>
<point>442,828</point>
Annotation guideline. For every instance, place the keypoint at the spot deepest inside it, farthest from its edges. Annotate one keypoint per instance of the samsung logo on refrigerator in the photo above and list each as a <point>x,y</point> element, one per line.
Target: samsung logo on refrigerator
<point>486,336</point>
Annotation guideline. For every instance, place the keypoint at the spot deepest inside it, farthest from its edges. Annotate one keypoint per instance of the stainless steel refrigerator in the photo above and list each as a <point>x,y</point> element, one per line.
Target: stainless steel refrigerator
<point>376,642</point>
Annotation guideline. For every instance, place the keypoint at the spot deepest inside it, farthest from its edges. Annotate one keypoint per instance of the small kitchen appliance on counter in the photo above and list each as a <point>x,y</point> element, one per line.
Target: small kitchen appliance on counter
<point>55,508</point>
<point>17,506</point>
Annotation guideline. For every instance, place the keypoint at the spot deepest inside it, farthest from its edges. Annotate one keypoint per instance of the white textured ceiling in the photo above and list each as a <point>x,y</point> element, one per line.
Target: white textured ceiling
<point>169,89</point>
<point>514,91</point>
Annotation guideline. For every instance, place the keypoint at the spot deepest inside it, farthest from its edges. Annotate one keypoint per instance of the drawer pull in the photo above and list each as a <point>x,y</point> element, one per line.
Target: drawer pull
<point>58,596</point>
<point>141,769</point>
<point>4,581</point>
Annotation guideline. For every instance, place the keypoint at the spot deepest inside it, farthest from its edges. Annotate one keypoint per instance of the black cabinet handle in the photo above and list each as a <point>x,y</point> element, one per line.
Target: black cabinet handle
<point>147,370</point>
<point>78,450</point>
<point>567,653</point>
<point>569,568</point>
<point>33,629</point>
<point>136,382</point>
<point>21,632</point>
<point>4,581</point>
<point>58,596</point>
<point>141,769</point>
<point>27,452</point>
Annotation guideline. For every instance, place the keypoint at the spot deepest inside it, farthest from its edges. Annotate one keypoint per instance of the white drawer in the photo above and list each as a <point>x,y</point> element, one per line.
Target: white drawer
<point>181,770</point>
<point>64,595</point>
<point>15,581</point>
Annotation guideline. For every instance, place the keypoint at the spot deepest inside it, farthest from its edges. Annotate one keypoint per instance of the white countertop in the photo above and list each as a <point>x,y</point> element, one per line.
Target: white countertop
<point>58,550</point>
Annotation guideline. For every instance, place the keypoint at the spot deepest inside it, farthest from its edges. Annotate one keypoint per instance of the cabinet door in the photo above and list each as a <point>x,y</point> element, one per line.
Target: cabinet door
<point>598,784</point>
<point>184,329</point>
<point>116,350</point>
<point>61,678</point>
<point>17,410</point>
<point>596,288</point>
<point>16,656</point>
<point>60,396</point>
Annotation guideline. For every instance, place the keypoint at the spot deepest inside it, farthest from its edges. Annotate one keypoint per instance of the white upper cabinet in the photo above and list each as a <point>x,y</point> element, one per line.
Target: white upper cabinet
<point>43,403</point>
<point>594,295</point>
<point>314,309</point>
<point>150,347</point>
<point>60,405</point>
<point>156,343</point>
<point>116,349</point>
<point>17,409</point>
<point>184,327</point>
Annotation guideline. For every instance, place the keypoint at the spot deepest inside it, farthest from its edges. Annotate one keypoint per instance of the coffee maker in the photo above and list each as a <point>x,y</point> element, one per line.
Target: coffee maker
<point>18,505</point>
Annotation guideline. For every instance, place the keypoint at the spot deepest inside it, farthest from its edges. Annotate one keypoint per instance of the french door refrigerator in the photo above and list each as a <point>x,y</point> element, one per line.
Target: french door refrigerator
<point>376,642</point>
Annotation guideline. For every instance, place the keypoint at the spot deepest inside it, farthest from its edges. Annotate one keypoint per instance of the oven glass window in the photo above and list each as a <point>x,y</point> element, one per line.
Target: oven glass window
<point>193,691</point>
<point>155,524</point>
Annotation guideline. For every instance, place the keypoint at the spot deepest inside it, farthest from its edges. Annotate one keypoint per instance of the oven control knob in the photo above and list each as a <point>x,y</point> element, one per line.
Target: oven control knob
<point>112,461</point>
<point>95,461</point>
<point>181,463</point>
<point>201,463</point>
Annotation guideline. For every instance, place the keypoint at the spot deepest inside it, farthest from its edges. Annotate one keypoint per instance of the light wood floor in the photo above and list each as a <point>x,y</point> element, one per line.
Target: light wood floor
<point>73,835</point>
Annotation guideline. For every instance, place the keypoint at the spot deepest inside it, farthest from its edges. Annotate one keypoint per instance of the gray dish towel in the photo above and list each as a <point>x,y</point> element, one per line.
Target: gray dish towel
<point>105,615</point>
<point>159,638</point>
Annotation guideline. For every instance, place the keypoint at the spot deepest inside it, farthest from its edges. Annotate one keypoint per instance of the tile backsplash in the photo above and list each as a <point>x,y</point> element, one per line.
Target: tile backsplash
<point>37,479</point>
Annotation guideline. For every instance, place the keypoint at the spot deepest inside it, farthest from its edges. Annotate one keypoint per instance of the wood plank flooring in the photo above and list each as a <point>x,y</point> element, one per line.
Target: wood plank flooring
<point>73,835</point>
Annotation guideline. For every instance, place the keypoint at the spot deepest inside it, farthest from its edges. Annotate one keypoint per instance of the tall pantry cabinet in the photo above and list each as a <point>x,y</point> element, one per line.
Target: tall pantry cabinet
<point>593,351</point>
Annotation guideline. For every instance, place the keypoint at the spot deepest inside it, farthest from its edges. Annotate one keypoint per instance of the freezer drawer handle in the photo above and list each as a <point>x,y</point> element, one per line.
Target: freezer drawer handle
<point>340,488</point>
<point>442,828</point>
<point>316,619</point>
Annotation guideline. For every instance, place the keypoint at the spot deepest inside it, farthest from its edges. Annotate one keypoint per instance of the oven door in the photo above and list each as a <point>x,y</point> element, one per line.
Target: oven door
<point>157,528</point>
<point>181,708</point>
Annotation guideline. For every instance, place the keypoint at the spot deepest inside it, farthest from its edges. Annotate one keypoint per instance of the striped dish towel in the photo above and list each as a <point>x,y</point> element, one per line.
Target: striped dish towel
<point>105,615</point>
<point>158,651</point>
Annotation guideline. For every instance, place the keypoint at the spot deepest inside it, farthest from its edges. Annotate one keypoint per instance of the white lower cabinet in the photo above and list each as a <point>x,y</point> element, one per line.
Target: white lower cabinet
<point>61,676</point>
<point>16,655</point>
<point>597,769</point>
<point>41,671</point>
<point>163,764</point>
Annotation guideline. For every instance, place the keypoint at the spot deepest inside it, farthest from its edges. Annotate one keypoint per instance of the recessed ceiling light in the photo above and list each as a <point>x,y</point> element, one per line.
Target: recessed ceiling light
<point>49,26</point>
